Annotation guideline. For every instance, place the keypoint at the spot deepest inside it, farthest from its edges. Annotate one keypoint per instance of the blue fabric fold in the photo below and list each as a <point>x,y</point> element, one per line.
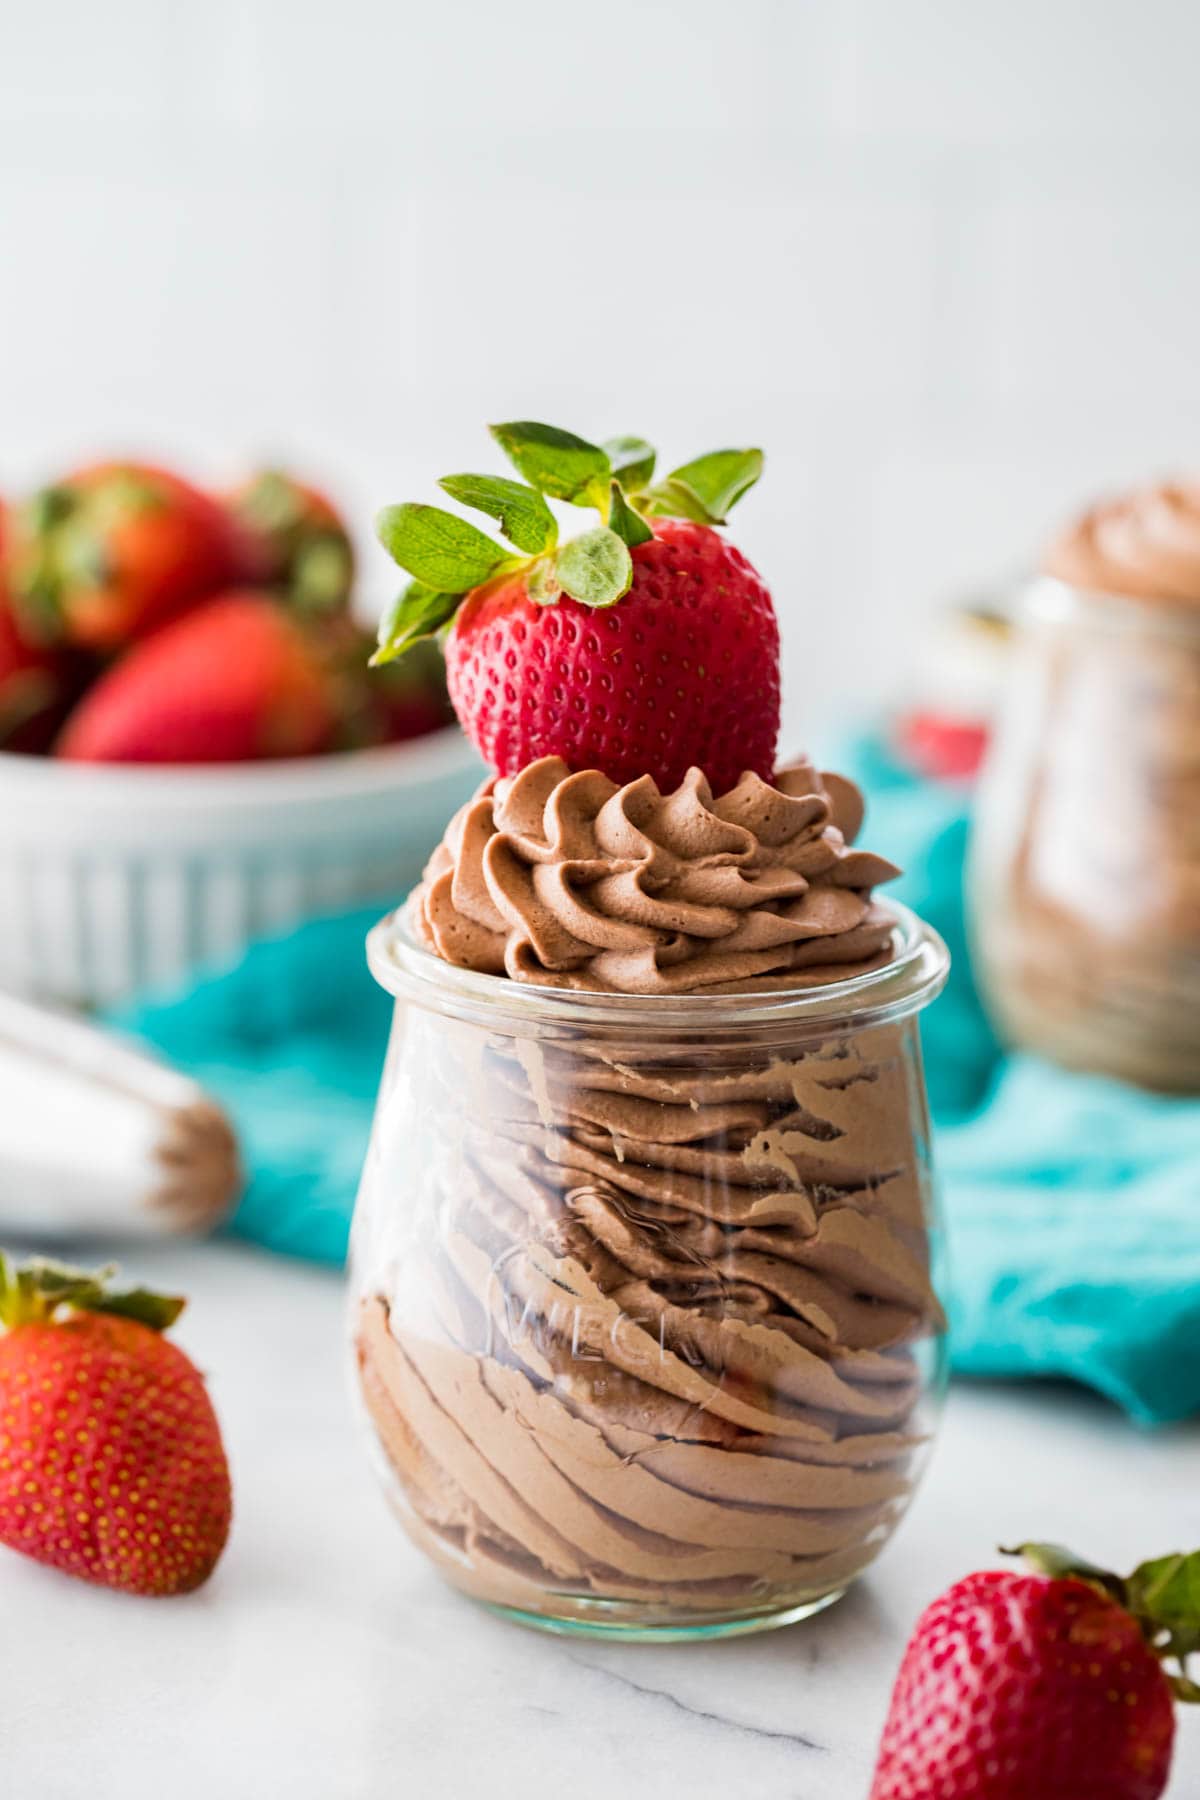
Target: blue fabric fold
<point>1072,1203</point>
<point>291,1043</point>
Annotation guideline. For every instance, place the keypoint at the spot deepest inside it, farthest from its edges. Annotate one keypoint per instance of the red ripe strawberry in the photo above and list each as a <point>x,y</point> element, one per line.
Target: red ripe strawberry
<point>1043,1686</point>
<point>642,648</point>
<point>235,680</point>
<point>111,551</point>
<point>389,706</point>
<point>940,746</point>
<point>375,707</point>
<point>685,670</point>
<point>303,544</point>
<point>111,1462</point>
<point>31,688</point>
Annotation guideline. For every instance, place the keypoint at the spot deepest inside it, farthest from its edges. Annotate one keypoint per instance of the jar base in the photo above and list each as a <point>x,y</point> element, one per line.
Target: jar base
<point>601,1625</point>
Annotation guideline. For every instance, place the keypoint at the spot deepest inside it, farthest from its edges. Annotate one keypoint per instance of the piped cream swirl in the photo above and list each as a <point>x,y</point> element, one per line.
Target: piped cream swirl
<point>1145,545</point>
<point>568,880</point>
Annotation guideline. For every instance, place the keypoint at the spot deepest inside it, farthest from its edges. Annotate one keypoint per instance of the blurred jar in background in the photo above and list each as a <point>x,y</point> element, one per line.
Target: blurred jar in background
<point>1086,863</point>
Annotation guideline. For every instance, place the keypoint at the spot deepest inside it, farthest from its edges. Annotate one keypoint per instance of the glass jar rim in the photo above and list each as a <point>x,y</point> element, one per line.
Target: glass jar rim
<point>1050,601</point>
<point>915,976</point>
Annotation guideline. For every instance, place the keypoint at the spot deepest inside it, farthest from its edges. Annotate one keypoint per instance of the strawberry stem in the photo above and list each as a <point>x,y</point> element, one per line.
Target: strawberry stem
<point>1061,1564</point>
<point>37,1292</point>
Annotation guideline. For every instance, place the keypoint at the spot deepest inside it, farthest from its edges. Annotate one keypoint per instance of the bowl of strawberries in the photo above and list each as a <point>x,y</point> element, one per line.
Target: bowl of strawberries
<point>193,751</point>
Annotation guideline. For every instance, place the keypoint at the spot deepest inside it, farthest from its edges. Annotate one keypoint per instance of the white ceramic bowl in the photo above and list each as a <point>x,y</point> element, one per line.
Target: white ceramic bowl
<point>115,879</point>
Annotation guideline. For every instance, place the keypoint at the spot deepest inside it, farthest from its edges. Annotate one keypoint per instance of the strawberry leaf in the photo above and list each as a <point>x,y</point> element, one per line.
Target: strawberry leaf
<point>675,500</point>
<point>48,508</point>
<point>1166,1593</point>
<point>271,502</point>
<point>632,460</point>
<point>556,462</point>
<point>542,583</point>
<point>595,568</point>
<point>39,1289</point>
<point>629,526</point>
<point>719,479</point>
<point>159,1311</point>
<point>441,550</point>
<point>1061,1564</point>
<point>322,573</point>
<point>419,612</point>
<point>126,489</point>
<point>524,517</point>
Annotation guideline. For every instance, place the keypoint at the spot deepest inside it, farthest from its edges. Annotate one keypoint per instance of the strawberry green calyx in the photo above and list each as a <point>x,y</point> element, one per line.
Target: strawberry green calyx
<point>271,503</point>
<point>64,542</point>
<point>706,490</point>
<point>523,515</point>
<point>628,524</point>
<point>557,463</point>
<point>322,574</point>
<point>449,558</point>
<point>1162,1595</point>
<point>595,568</point>
<point>440,549</point>
<point>418,612</point>
<point>308,544</point>
<point>59,547</point>
<point>632,462</point>
<point>40,1292</point>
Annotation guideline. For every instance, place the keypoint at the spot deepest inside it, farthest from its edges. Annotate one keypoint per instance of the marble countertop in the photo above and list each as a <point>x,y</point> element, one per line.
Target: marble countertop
<point>324,1661</point>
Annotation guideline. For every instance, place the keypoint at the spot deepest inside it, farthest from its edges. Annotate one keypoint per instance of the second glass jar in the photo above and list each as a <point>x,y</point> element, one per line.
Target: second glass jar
<point>1085,879</point>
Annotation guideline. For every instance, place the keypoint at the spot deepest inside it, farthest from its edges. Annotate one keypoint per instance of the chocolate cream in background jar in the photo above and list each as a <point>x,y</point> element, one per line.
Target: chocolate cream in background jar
<point>644,1261</point>
<point>1086,863</point>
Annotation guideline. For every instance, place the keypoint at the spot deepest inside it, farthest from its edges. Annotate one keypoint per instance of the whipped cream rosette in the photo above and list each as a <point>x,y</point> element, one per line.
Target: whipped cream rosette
<point>1145,545</point>
<point>571,881</point>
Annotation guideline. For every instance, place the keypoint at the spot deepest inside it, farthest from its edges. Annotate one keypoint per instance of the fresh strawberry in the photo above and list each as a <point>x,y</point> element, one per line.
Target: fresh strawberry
<point>36,680</point>
<point>110,552</point>
<point>111,1462</point>
<point>640,648</point>
<point>31,689</point>
<point>387,706</point>
<point>411,697</point>
<point>1044,1685</point>
<point>685,670</point>
<point>304,545</point>
<point>941,746</point>
<point>235,680</point>
<point>373,707</point>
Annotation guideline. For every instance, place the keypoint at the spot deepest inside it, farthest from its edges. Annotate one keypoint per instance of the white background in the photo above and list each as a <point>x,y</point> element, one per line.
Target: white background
<point>938,256</point>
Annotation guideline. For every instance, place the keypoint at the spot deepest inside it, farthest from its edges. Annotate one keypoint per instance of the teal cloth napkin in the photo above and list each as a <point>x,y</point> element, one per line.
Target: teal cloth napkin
<point>1072,1203</point>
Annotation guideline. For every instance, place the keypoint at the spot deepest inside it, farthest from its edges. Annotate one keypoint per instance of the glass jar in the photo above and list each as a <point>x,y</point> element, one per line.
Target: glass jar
<point>643,1291</point>
<point>1085,875</point>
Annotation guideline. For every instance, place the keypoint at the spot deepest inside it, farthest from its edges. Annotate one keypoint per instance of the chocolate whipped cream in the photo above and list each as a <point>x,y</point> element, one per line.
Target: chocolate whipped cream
<point>1087,853</point>
<point>645,1324</point>
<point>569,881</point>
<point>1145,545</point>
